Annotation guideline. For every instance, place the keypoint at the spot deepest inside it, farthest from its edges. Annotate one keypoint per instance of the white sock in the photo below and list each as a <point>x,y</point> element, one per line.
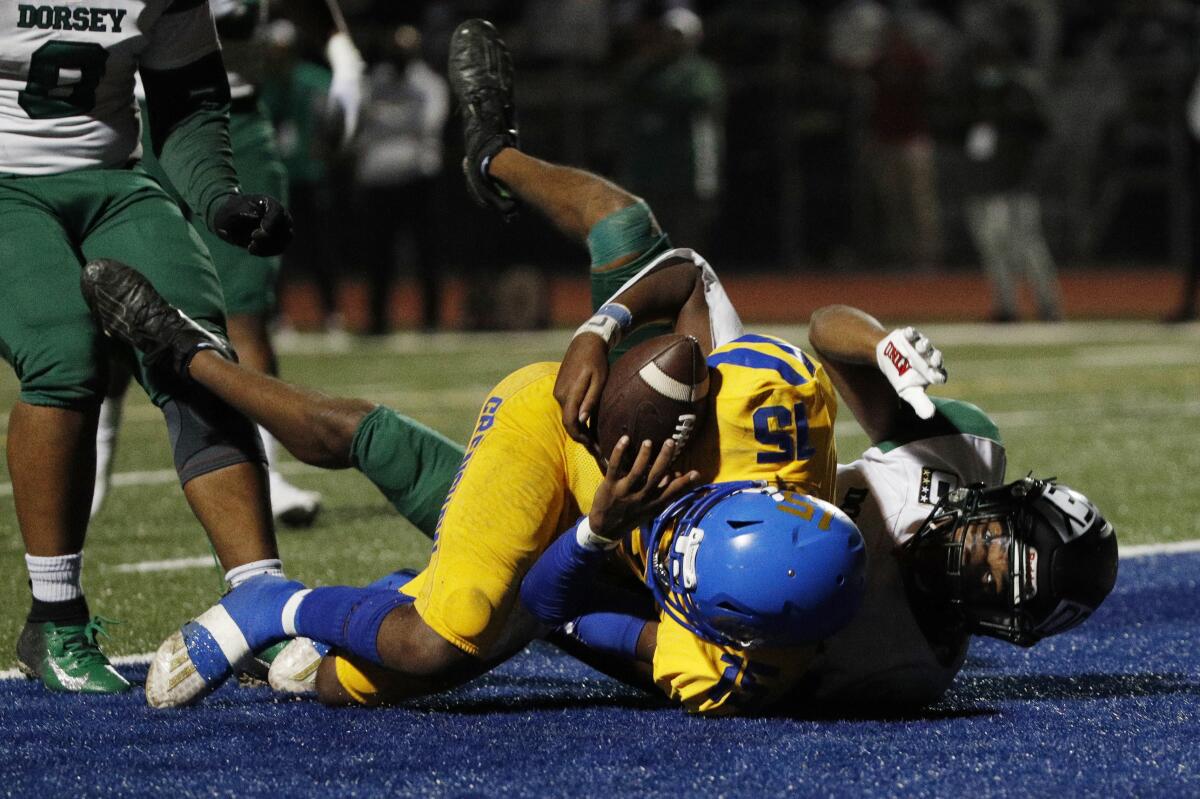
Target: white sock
<point>110,419</point>
<point>271,448</point>
<point>55,579</point>
<point>240,574</point>
<point>106,447</point>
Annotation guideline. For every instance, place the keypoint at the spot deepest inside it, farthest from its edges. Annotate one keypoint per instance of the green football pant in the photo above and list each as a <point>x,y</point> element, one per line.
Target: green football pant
<point>49,227</point>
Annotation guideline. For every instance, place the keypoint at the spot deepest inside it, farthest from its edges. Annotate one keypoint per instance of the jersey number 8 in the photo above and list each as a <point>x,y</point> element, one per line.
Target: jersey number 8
<point>63,77</point>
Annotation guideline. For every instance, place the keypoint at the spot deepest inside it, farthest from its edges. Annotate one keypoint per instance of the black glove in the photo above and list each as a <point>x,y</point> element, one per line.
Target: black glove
<point>257,222</point>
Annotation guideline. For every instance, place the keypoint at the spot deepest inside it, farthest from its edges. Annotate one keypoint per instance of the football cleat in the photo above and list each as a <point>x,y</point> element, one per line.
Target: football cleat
<point>67,657</point>
<point>293,506</point>
<point>129,309</point>
<point>481,75</point>
<point>294,670</point>
<point>198,657</point>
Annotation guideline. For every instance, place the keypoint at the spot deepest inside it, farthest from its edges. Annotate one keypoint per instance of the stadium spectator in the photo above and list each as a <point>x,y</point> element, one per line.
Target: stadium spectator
<point>900,150</point>
<point>1004,130</point>
<point>673,105</point>
<point>294,93</point>
<point>399,153</point>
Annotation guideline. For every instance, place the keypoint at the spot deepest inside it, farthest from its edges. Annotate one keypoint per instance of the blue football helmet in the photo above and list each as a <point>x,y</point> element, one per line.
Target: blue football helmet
<point>749,564</point>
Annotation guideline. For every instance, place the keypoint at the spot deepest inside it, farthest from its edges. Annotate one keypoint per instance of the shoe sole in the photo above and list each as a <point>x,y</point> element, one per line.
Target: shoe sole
<point>172,680</point>
<point>294,670</point>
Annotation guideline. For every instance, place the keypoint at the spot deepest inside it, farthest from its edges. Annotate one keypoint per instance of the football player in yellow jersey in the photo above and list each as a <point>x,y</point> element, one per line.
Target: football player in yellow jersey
<point>522,479</point>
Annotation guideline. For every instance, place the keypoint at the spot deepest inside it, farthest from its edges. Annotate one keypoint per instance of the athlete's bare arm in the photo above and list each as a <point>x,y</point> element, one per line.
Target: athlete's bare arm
<point>574,201</point>
<point>845,338</point>
<point>316,428</point>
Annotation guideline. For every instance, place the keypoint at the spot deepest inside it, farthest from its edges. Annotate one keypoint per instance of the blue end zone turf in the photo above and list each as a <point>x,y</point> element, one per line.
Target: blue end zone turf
<point>1111,708</point>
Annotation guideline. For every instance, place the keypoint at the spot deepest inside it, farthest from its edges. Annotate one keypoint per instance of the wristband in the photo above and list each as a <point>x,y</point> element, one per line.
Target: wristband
<point>589,540</point>
<point>610,323</point>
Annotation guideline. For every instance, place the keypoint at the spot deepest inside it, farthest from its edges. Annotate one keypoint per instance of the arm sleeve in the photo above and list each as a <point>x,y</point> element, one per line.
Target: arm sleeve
<point>560,582</point>
<point>187,94</point>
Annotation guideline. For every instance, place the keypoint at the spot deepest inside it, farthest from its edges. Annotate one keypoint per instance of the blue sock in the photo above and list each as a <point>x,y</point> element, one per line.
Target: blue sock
<point>394,581</point>
<point>347,618</point>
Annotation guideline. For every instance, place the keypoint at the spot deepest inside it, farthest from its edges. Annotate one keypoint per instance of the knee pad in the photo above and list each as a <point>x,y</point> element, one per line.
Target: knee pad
<point>208,435</point>
<point>631,230</point>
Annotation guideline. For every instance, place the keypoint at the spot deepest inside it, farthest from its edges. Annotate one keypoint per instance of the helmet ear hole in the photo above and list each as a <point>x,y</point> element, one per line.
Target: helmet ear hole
<point>738,524</point>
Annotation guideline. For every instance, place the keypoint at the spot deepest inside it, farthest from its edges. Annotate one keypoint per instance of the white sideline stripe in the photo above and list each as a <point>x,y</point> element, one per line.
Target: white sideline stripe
<point>1127,553</point>
<point>174,564</point>
<point>1146,550</point>
<point>165,476</point>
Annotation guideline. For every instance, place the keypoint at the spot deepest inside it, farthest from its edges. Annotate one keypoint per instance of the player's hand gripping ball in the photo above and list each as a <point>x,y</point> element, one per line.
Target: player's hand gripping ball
<point>656,391</point>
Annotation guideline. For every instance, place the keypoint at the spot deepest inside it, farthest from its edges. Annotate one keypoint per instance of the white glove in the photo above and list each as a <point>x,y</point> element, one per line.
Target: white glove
<point>346,89</point>
<point>910,364</point>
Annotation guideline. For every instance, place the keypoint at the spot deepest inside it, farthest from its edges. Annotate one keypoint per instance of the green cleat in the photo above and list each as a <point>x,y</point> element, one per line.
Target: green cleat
<point>67,657</point>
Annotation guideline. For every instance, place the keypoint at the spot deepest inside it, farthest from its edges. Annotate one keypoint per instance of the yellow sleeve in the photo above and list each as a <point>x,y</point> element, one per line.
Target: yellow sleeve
<point>715,680</point>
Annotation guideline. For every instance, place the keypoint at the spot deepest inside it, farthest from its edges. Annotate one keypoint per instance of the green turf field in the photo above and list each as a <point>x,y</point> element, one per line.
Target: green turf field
<point>1111,409</point>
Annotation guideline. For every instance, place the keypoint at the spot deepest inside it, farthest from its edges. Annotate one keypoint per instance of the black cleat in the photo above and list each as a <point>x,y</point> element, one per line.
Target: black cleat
<point>481,75</point>
<point>130,310</point>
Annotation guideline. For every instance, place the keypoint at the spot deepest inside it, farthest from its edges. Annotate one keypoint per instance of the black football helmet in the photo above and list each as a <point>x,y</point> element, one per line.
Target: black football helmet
<point>1018,562</point>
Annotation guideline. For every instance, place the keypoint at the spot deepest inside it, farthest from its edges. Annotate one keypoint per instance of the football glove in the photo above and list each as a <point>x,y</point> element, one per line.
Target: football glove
<point>911,364</point>
<point>255,222</point>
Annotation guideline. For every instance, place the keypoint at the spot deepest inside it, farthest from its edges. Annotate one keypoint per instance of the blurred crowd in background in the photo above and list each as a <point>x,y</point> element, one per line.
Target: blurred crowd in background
<point>833,136</point>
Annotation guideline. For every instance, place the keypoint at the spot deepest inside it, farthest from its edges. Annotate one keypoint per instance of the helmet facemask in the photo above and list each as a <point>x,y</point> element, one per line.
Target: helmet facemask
<point>1006,564</point>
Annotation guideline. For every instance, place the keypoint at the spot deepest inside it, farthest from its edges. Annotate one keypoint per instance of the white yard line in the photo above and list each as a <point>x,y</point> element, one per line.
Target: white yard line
<point>165,476</point>
<point>171,565</point>
<point>1146,550</point>
<point>944,334</point>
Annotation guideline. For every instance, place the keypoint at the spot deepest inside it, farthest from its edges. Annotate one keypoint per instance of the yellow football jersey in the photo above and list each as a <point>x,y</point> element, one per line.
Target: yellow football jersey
<point>523,480</point>
<point>772,419</point>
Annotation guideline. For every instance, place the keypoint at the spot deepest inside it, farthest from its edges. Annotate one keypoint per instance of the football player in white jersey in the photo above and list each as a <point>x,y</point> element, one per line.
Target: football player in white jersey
<point>249,282</point>
<point>72,191</point>
<point>953,551</point>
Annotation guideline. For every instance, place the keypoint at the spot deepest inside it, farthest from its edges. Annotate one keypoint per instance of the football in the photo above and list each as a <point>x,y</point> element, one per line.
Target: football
<point>658,390</point>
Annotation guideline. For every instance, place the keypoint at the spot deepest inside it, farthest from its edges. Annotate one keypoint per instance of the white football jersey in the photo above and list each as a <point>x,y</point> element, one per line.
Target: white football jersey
<point>67,75</point>
<point>882,658</point>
